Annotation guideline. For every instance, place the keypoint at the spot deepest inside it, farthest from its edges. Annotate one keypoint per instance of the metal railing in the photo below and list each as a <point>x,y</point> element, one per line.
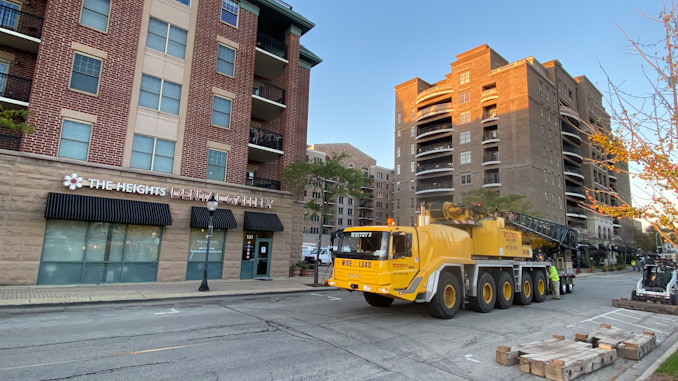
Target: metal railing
<point>565,127</point>
<point>422,186</point>
<point>577,190</point>
<point>271,45</point>
<point>572,169</point>
<point>490,113</point>
<point>491,156</point>
<point>262,183</point>
<point>268,91</point>
<point>492,179</point>
<point>434,147</point>
<point>21,22</point>
<point>10,142</point>
<point>266,138</point>
<point>576,210</point>
<point>491,135</point>
<point>13,87</point>
<point>571,149</point>
<point>436,127</point>
<point>432,166</point>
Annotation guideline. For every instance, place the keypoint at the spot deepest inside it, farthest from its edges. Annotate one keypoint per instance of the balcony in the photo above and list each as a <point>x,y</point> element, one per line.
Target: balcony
<point>434,130</point>
<point>264,146</point>
<point>576,212</point>
<point>262,183</point>
<point>14,91</point>
<point>567,130</point>
<point>434,92</point>
<point>10,142</point>
<point>270,58</point>
<point>573,152</point>
<point>573,172</point>
<point>577,192</point>
<point>489,94</point>
<point>435,110</point>
<point>20,30</point>
<point>434,187</point>
<point>612,175</point>
<point>268,101</point>
<point>434,148</point>
<point>615,223</point>
<point>571,114</point>
<point>365,205</point>
<point>490,137</point>
<point>491,181</point>
<point>365,217</point>
<point>491,158</point>
<point>489,114</point>
<point>435,168</point>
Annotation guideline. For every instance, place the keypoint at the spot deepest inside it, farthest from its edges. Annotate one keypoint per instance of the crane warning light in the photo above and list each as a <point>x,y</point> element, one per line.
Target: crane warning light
<point>390,222</point>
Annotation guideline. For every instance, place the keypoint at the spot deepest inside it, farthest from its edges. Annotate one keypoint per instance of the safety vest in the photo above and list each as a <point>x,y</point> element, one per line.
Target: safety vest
<point>553,274</point>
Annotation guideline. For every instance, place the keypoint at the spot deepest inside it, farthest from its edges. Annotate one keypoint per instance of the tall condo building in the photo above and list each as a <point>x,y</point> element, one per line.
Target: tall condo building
<point>512,127</point>
<point>143,110</point>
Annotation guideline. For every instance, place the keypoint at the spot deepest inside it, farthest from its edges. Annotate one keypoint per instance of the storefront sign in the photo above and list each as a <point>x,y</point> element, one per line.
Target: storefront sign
<point>73,182</point>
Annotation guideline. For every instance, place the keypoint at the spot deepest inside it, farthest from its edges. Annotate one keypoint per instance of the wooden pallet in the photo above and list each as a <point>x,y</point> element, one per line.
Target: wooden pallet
<point>629,345</point>
<point>645,306</point>
<point>556,358</point>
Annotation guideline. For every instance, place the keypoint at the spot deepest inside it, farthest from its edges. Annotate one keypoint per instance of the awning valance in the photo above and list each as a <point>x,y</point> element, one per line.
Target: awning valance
<point>62,206</point>
<point>266,222</point>
<point>223,218</point>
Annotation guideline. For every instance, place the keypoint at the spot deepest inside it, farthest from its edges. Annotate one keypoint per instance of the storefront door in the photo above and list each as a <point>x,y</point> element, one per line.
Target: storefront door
<point>263,251</point>
<point>256,255</point>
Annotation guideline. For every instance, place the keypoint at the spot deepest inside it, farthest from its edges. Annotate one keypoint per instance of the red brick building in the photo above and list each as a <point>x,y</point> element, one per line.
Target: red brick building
<point>194,97</point>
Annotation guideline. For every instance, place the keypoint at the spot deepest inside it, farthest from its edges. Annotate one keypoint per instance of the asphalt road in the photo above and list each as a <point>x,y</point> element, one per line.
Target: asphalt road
<point>329,335</point>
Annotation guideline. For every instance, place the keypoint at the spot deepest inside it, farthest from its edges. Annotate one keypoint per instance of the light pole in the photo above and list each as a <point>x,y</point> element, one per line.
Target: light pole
<point>212,205</point>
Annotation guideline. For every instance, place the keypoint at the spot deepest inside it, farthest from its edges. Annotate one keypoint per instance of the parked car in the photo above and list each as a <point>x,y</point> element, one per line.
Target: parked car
<point>325,256</point>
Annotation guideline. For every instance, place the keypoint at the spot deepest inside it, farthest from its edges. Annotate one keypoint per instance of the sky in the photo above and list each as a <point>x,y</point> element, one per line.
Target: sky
<point>368,47</point>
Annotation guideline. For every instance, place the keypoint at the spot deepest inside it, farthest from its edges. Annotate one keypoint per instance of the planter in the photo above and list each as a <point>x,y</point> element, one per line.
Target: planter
<point>295,272</point>
<point>306,272</point>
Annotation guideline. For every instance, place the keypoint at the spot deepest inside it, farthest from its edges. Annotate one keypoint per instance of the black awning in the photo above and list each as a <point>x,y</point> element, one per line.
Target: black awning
<point>264,222</point>
<point>223,218</point>
<point>63,206</point>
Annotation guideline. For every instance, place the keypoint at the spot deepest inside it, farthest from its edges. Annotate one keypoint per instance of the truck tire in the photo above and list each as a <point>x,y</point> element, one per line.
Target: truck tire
<point>505,291</point>
<point>377,300</point>
<point>563,286</point>
<point>540,288</point>
<point>524,295</point>
<point>446,301</point>
<point>487,295</point>
<point>570,285</point>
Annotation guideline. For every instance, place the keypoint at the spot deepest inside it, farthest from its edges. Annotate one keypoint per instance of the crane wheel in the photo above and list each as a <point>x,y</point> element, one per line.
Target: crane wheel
<point>569,287</point>
<point>447,299</point>
<point>377,300</point>
<point>524,295</point>
<point>487,295</point>
<point>539,282</point>
<point>505,291</point>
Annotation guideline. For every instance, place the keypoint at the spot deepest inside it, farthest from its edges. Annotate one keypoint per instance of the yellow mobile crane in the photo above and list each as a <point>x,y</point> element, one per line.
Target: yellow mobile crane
<point>454,255</point>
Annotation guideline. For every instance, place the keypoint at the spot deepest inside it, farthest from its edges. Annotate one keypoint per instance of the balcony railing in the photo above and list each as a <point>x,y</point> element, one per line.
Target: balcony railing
<point>13,87</point>
<point>266,138</point>
<point>490,113</point>
<point>570,130</point>
<point>576,210</point>
<point>491,135</point>
<point>10,142</point>
<point>21,22</point>
<point>271,45</point>
<point>434,147</point>
<point>422,186</point>
<point>436,127</point>
<point>573,150</point>
<point>577,190</point>
<point>432,166</point>
<point>492,179</point>
<point>268,91</point>
<point>491,156</point>
<point>571,169</point>
<point>262,183</point>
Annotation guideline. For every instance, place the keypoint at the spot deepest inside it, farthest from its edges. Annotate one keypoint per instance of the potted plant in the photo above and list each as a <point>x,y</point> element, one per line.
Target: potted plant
<point>306,270</point>
<point>295,271</point>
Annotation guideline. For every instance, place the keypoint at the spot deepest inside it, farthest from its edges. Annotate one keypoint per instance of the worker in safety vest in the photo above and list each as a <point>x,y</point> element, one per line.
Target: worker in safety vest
<point>633,263</point>
<point>555,283</point>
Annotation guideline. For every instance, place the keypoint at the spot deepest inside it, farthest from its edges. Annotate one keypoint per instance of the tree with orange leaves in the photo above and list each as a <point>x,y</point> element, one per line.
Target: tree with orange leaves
<point>644,134</point>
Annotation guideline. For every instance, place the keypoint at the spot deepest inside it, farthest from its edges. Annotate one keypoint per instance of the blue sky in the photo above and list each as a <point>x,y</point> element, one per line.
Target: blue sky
<point>368,47</point>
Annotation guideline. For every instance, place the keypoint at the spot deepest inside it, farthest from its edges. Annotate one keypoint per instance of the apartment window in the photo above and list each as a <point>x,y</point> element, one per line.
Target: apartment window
<point>398,135</point>
<point>85,74</point>
<point>466,178</point>
<point>379,204</point>
<point>397,151</point>
<point>340,210</point>
<point>166,38</point>
<point>398,203</point>
<point>225,60</point>
<point>464,78</point>
<point>152,154</point>
<point>560,202</point>
<point>542,130</point>
<point>397,169</point>
<point>546,176</point>
<point>540,84</point>
<point>349,211</point>
<point>411,166</point>
<point>341,200</point>
<point>398,186</point>
<point>464,97</point>
<point>350,202</point>
<point>95,14</point>
<point>349,222</point>
<point>399,118</point>
<point>159,94</point>
<point>221,111</point>
<point>465,117</point>
<point>465,157</point>
<point>185,2</point>
<point>380,175</point>
<point>412,184</point>
<point>216,164</point>
<point>340,221</point>
<point>229,12</point>
<point>412,131</point>
<point>74,142</point>
<point>546,197</point>
<point>379,214</point>
<point>314,230</point>
<point>411,202</point>
<point>412,149</point>
<point>315,218</point>
<point>464,137</point>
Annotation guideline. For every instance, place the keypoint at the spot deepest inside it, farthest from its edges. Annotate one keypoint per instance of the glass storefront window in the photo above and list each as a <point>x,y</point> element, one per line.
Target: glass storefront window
<point>99,252</point>
<point>196,254</point>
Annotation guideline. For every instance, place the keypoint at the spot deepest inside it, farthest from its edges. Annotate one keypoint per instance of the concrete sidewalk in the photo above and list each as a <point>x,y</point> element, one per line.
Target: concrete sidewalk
<point>14,296</point>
